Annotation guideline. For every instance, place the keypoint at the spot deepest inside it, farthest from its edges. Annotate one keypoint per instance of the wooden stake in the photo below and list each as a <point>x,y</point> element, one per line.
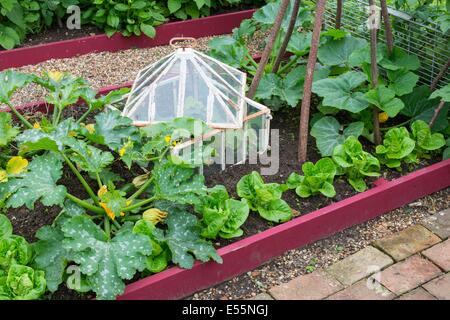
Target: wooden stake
<point>387,26</point>
<point>306,101</point>
<point>440,75</point>
<point>268,49</point>
<point>287,37</point>
<point>338,14</point>
<point>374,72</point>
<point>436,113</point>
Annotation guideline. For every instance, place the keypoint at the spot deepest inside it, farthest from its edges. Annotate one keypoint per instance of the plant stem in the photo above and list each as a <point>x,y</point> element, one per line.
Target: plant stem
<point>288,65</point>
<point>252,61</point>
<point>116,224</point>
<point>287,37</point>
<point>139,204</point>
<point>81,179</point>
<point>141,189</point>
<point>84,116</point>
<point>85,204</point>
<point>107,227</point>
<point>132,218</point>
<point>19,116</point>
<point>58,116</point>
<point>396,126</point>
<point>99,181</point>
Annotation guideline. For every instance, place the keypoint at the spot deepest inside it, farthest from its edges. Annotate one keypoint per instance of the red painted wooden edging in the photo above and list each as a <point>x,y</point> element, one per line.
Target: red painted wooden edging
<point>202,27</point>
<point>249,253</point>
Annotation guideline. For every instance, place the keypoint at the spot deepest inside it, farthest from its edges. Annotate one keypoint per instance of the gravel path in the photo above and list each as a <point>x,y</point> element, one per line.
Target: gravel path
<point>107,68</point>
<point>325,252</point>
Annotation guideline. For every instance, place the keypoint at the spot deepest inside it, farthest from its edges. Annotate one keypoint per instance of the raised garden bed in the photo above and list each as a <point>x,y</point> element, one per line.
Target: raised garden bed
<point>251,252</point>
<point>203,27</point>
<point>320,218</point>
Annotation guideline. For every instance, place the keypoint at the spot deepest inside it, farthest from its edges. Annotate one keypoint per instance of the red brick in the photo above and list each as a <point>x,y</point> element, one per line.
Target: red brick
<point>417,294</point>
<point>363,290</point>
<point>315,286</point>
<point>440,287</point>
<point>439,223</point>
<point>359,265</point>
<point>407,242</point>
<point>262,296</point>
<point>409,274</point>
<point>440,254</point>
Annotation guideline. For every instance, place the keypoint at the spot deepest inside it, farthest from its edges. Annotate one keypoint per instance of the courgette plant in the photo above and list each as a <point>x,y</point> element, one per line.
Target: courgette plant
<point>112,231</point>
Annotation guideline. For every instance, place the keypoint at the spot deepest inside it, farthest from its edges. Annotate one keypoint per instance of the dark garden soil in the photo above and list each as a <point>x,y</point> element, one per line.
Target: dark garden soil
<point>26,222</point>
<point>60,34</point>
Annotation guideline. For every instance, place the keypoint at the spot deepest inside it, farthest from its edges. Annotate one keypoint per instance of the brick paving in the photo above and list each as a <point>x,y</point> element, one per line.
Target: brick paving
<point>413,264</point>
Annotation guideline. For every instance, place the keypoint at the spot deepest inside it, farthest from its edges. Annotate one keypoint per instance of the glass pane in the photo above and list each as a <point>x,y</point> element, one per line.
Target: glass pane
<point>196,94</point>
<point>140,113</point>
<point>221,114</point>
<point>146,77</point>
<point>225,83</point>
<point>220,69</point>
<point>166,94</point>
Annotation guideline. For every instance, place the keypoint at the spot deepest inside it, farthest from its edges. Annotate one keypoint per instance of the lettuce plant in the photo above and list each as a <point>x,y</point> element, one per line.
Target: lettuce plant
<point>13,249</point>
<point>317,178</point>
<point>446,153</point>
<point>397,147</point>
<point>355,163</point>
<point>221,215</point>
<point>265,198</point>
<point>18,281</point>
<point>22,283</point>
<point>426,142</point>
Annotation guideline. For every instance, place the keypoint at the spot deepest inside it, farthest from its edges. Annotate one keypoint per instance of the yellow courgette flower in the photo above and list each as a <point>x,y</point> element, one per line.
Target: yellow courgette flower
<point>108,211</point>
<point>154,215</point>
<point>140,180</point>
<point>125,147</point>
<point>383,117</point>
<point>102,191</point>
<point>90,128</point>
<point>55,75</point>
<point>16,165</point>
<point>72,134</point>
<point>167,139</point>
<point>36,125</point>
<point>3,176</point>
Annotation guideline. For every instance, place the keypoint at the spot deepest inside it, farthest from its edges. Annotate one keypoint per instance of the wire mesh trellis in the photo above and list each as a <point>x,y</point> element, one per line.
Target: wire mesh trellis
<point>426,41</point>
